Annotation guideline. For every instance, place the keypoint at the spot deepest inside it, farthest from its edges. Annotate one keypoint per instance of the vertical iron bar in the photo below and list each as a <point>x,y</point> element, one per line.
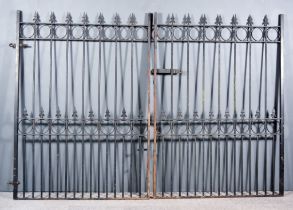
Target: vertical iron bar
<point>66,103</point>
<point>16,104</point>
<point>115,104</point>
<point>172,112</point>
<point>203,104</point>
<point>155,109</point>
<point>281,98</point>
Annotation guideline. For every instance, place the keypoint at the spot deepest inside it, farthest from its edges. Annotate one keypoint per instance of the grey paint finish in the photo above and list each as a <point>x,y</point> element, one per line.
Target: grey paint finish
<point>7,62</point>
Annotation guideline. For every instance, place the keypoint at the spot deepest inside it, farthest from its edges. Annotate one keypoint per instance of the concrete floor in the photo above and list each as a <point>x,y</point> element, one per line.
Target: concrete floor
<point>268,203</point>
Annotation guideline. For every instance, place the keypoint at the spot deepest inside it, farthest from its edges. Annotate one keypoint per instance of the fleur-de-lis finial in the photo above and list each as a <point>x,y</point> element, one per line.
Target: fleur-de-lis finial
<point>187,19</point>
<point>101,19</point>
<point>195,115</point>
<point>172,20</point>
<point>74,114</point>
<point>107,115</point>
<point>211,114</point>
<point>140,114</point>
<point>123,115</point>
<point>132,19</point>
<point>265,21</point>
<point>179,114</point>
<point>257,114</point>
<point>117,20</point>
<point>68,18</point>
<point>234,20</point>
<point>242,114</point>
<point>24,113</point>
<point>203,20</point>
<point>85,19</point>
<point>249,21</point>
<point>36,18</point>
<point>91,114</point>
<point>273,115</point>
<point>58,112</point>
<point>52,18</point>
<point>42,113</point>
<point>163,115</point>
<point>227,114</point>
<point>219,20</point>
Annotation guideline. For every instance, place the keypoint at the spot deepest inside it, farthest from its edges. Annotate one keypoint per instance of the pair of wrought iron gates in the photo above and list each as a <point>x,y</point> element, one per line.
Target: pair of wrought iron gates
<point>129,111</point>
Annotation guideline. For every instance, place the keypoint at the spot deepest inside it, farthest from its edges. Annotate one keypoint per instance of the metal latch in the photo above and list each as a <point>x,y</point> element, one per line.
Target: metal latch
<point>14,183</point>
<point>167,71</point>
<point>13,45</point>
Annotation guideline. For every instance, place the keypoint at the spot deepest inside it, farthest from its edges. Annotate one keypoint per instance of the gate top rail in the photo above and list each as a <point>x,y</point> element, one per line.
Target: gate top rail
<point>172,30</point>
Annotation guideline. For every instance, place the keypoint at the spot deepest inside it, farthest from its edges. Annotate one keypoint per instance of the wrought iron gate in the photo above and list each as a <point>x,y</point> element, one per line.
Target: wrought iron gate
<point>129,111</point>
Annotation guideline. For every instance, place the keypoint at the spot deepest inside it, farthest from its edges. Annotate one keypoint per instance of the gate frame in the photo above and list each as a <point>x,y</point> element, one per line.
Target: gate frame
<point>152,28</point>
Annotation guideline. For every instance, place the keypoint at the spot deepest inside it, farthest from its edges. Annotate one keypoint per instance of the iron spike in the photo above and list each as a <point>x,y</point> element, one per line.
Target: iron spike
<point>42,113</point>
<point>234,20</point>
<point>188,19</point>
<point>107,115</point>
<point>24,114</point>
<point>37,18</point>
<point>203,20</point>
<point>58,112</point>
<point>265,21</point>
<point>172,19</point>
<point>227,114</point>
<point>91,114</point>
<point>195,115</point>
<point>211,114</point>
<point>140,114</point>
<point>219,20</point>
<point>52,18</point>
<point>101,19</point>
<point>85,19</point>
<point>74,114</point>
<point>163,115</point>
<point>124,115</point>
<point>273,114</point>
<point>117,20</point>
<point>242,114</point>
<point>257,114</point>
<point>132,19</point>
<point>249,21</point>
<point>68,18</point>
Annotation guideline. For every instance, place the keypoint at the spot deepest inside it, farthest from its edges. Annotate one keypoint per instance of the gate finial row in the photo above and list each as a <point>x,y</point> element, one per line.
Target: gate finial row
<point>132,19</point>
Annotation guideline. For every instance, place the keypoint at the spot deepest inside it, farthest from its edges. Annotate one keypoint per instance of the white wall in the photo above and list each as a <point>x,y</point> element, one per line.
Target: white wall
<point>257,8</point>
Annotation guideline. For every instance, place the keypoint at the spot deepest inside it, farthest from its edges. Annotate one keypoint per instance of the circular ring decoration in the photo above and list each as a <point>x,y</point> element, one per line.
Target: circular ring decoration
<point>94,32</point>
<point>194,33</point>
<point>61,32</point>
<point>27,31</point>
<point>257,34</point>
<point>77,32</point>
<point>140,34</point>
<point>241,34</point>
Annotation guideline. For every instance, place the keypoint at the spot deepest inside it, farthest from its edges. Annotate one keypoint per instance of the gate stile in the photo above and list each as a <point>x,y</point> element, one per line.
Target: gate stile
<point>198,126</point>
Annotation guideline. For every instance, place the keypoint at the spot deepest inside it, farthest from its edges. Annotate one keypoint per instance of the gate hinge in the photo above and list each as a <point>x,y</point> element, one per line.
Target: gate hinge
<point>14,183</point>
<point>13,45</point>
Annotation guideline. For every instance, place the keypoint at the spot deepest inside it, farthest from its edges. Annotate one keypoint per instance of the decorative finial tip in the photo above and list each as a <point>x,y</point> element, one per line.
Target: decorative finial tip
<point>219,20</point>
<point>265,21</point>
<point>249,21</point>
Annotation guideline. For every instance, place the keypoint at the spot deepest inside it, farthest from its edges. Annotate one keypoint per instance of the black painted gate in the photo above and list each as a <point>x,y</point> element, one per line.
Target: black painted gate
<point>129,111</point>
